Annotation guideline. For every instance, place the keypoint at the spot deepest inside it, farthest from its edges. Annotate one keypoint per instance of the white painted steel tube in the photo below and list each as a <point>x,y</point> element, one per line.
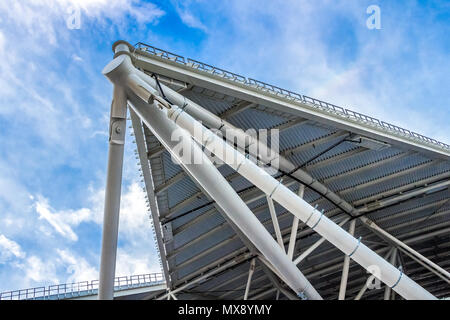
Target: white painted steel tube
<point>276,226</point>
<point>359,252</point>
<point>209,179</point>
<point>314,246</point>
<point>251,270</point>
<point>372,225</point>
<point>370,279</point>
<point>213,121</point>
<point>387,290</point>
<point>112,195</point>
<point>294,228</point>
<point>120,71</point>
<point>425,265</point>
<point>346,267</point>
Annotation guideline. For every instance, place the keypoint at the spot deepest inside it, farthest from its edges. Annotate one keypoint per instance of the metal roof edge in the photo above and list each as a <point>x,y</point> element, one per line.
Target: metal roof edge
<point>322,107</point>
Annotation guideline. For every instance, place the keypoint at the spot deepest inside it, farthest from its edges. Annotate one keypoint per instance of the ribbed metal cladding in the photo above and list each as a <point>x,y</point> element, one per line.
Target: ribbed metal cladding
<point>355,173</point>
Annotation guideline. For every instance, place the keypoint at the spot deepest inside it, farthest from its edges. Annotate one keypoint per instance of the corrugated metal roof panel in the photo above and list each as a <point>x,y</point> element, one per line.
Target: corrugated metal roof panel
<point>354,172</point>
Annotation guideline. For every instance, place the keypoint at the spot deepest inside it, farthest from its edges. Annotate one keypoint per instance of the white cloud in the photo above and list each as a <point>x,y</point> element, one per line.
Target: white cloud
<point>77,58</point>
<point>62,221</point>
<point>38,270</point>
<point>186,15</point>
<point>190,20</point>
<point>135,262</point>
<point>9,249</point>
<point>56,257</point>
<point>142,12</point>
<point>134,223</point>
<point>77,268</point>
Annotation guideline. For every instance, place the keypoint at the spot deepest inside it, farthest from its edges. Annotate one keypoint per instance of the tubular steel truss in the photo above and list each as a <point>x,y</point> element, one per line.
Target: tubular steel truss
<point>164,111</point>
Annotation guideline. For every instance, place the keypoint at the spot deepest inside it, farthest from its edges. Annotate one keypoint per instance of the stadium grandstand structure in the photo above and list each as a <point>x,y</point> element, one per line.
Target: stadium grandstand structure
<point>352,200</point>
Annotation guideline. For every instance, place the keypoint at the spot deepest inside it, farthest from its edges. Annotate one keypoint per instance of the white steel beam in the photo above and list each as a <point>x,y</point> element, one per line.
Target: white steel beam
<point>276,226</point>
<point>340,238</point>
<point>426,266</point>
<point>249,280</point>
<point>387,290</point>
<point>140,145</point>
<point>275,281</point>
<point>110,229</point>
<point>213,121</point>
<point>212,183</point>
<point>241,254</point>
<point>370,279</point>
<point>314,246</point>
<point>373,226</point>
<point>284,197</point>
<point>291,247</point>
<point>343,287</point>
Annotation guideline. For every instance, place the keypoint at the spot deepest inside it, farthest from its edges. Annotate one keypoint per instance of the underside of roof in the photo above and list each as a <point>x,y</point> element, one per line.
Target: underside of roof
<point>395,177</point>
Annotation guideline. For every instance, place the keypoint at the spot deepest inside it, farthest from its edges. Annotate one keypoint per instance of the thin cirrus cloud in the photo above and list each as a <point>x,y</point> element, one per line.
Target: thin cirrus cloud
<point>9,249</point>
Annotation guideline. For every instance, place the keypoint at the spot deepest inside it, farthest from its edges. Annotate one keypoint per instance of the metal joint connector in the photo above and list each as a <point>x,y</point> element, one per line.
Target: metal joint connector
<point>356,248</point>
<point>399,278</point>
<point>276,187</point>
<point>182,110</point>
<point>315,225</point>
<point>240,164</point>
<point>312,212</point>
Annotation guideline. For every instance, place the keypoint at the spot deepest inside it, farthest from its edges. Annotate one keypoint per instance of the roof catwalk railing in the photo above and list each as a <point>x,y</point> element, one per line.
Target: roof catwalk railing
<point>83,288</point>
<point>312,102</point>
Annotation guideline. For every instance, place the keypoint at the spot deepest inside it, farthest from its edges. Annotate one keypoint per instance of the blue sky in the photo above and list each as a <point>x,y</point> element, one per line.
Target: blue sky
<point>54,102</point>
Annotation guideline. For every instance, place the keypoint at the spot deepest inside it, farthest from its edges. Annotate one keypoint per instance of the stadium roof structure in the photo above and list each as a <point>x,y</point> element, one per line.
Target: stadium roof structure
<point>396,178</point>
<point>386,185</point>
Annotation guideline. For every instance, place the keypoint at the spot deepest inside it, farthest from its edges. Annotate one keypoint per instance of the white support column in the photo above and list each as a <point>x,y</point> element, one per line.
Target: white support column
<point>346,267</point>
<point>250,275</point>
<point>387,290</point>
<point>291,247</point>
<point>276,226</point>
<point>117,128</point>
